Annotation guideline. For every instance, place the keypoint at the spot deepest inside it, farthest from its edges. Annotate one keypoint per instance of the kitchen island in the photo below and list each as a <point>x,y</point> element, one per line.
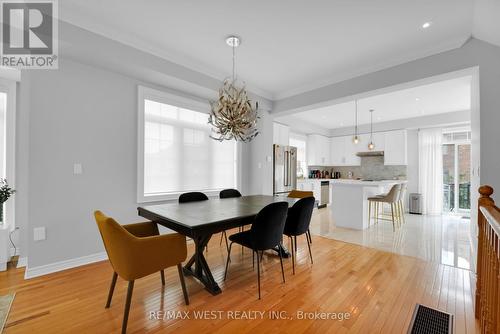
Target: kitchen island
<point>349,204</point>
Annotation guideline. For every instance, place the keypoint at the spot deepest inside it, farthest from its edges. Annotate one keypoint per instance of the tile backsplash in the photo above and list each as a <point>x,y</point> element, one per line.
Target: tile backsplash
<point>372,168</point>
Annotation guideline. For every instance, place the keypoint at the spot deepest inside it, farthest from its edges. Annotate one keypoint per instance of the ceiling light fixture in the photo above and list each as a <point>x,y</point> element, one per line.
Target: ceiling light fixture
<point>232,116</point>
<point>426,25</point>
<point>371,146</point>
<point>355,139</point>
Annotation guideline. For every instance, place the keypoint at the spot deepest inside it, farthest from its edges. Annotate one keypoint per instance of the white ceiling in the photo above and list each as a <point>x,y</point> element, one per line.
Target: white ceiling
<point>436,98</point>
<point>288,46</point>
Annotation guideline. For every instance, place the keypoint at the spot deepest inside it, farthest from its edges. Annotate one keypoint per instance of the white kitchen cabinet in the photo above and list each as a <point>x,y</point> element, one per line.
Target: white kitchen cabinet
<point>378,140</point>
<point>395,148</point>
<point>318,150</point>
<point>337,151</point>
<point>281,134</point>
<point>351,149</point>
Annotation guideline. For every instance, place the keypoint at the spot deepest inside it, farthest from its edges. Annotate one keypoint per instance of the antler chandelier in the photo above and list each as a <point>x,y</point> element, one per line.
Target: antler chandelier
<point>232,116</point>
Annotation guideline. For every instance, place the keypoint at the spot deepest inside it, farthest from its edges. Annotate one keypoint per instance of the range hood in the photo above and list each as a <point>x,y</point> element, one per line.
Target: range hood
<point>370,154</point>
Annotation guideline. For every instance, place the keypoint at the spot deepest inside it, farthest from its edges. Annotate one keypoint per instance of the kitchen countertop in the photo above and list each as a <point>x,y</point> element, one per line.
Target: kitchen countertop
<point>356,182</point>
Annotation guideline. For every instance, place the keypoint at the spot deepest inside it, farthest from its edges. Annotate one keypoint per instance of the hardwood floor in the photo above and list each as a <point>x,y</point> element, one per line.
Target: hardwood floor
<point>377,288</point>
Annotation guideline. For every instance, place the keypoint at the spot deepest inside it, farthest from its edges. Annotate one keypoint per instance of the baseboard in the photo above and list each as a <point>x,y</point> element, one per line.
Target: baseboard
<point>63,265</point>
<point>22,262</point>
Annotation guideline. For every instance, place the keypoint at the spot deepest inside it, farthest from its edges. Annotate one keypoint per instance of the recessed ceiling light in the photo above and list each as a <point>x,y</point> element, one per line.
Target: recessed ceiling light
<point>426,25</point>
<point>417,99</point>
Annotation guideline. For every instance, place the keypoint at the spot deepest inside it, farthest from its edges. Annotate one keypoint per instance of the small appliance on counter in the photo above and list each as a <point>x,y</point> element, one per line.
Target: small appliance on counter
<point>336,175</point>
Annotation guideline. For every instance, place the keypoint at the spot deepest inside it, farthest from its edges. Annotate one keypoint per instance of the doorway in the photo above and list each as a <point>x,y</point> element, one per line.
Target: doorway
<point>457,171</point>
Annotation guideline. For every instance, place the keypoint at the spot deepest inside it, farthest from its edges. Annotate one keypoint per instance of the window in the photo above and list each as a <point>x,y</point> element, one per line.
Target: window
<point>7,145</point>
<point>299,141</point>
<point>176,153</point>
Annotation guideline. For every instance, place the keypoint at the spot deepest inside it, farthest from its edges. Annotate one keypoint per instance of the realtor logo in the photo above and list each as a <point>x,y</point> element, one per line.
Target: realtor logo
<point>29,34</point>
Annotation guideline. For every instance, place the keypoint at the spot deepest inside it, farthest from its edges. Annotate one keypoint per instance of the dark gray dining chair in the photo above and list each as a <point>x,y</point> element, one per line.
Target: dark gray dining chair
<point>266,233</point>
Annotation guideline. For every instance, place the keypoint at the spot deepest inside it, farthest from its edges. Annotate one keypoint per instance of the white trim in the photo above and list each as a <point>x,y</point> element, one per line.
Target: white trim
<point>63,265</point>
<point>190,103</point>
<point>22,262</point>
<point>9,88</point>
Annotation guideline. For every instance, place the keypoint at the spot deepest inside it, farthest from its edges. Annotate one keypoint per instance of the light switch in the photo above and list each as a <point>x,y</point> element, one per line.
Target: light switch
<point>269,158</point>
<point>39,233</point>
<point>77,169</point>
<point>259,165</point>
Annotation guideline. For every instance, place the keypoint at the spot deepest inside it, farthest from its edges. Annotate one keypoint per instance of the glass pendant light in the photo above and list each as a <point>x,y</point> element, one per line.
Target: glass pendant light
<point>355,139</point>
<point>371,146</point>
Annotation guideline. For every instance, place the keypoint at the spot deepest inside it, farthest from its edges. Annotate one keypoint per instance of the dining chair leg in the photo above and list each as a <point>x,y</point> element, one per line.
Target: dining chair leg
<point>310,253</point>
<point>111,289</point>
<point>221,237</point>
<point>309,236</point>
<point>253,259</point>
<point>261,255</point>
<point>183,283</point>
<point>295,243</point>
<point>228,257</point>
<point>162,274</point>
<point>258,273</point>
<point>293,255</point>
<point>127,306</point>
<point>281,261</point>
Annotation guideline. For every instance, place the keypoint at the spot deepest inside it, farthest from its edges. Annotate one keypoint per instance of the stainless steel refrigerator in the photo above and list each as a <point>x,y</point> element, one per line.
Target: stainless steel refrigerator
<point>285,169</point>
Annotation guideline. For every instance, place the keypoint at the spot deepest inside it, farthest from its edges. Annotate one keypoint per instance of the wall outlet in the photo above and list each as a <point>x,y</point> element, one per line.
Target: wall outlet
<point>39,233</point>
<point>77,169</point>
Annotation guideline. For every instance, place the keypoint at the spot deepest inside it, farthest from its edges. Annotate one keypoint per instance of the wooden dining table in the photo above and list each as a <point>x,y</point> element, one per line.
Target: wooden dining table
<point>200,220</point>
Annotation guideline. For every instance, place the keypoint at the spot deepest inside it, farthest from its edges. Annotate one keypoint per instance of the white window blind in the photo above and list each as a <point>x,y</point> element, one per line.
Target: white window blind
<point>179,155</point>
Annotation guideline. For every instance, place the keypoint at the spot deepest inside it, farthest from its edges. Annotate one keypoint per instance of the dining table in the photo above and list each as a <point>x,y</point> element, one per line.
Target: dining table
<point>202,219</point>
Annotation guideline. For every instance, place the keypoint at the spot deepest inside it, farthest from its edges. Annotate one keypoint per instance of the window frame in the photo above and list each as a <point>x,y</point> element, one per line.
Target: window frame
<point>181,101</point>
<point>9,87</point>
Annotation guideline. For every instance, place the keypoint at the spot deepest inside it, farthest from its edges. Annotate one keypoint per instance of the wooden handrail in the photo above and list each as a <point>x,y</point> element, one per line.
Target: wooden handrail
<point>487,308</point>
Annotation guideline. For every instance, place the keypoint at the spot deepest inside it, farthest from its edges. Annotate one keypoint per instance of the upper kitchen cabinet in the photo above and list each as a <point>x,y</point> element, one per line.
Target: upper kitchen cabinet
<point>350,158</point>
<point>318,150</point>
<point>281,134</point>
<point>395,148</point>
<point>337,151</point>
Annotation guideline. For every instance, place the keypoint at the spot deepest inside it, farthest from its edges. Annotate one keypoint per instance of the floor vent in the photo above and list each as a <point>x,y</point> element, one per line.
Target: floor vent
<point>427,320</point>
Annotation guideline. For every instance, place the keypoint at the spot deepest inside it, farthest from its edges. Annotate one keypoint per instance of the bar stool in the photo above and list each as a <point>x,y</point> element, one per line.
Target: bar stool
<point>392,198</point>
<point>402,194</point>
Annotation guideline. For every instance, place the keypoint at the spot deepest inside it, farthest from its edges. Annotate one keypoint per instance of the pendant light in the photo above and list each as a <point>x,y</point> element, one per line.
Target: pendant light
<point>233,116</point>
<point>355,139</point>
<point>371,146</point>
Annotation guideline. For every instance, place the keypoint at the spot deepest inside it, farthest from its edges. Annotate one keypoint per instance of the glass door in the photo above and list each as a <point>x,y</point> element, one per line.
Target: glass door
<point>456,172</point>
<point>463,179</point>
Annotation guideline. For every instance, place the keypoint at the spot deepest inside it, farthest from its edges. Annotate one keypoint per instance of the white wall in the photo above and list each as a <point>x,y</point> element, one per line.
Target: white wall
<point>85,115</point>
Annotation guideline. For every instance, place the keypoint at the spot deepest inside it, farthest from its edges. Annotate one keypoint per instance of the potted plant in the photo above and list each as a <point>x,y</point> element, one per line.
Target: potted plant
<point>5,193</point>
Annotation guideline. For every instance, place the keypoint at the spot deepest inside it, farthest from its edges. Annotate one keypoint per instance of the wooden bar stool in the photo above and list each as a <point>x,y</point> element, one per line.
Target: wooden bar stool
<point>392,198</point>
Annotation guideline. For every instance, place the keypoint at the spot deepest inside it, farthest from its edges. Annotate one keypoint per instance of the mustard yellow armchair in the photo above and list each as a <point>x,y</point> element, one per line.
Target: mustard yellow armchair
<point>138,250</point>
